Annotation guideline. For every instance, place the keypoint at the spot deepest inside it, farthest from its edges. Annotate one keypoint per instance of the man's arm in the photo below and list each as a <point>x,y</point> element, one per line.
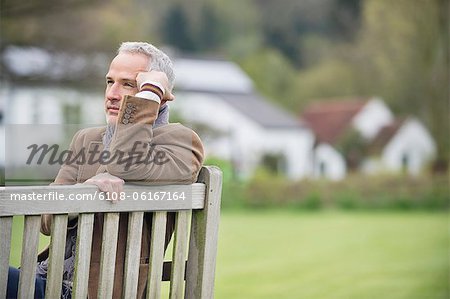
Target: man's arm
<point>175,155</point>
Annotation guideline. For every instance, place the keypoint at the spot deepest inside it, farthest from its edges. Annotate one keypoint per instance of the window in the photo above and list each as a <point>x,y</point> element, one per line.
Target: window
<point>275,163</point>
<point>405,162</point>
<point>322,169</point>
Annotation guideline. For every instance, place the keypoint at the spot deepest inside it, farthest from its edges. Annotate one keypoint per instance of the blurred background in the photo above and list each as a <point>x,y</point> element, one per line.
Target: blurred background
<point>329,119</point>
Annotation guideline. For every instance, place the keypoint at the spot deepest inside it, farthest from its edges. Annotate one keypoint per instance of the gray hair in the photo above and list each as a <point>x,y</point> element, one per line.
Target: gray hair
<point>159,60</point>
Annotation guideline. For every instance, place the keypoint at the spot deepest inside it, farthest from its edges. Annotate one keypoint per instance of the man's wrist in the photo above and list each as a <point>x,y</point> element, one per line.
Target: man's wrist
<point>151,90</point>
<point>148,95</point>
<point>154,87</point>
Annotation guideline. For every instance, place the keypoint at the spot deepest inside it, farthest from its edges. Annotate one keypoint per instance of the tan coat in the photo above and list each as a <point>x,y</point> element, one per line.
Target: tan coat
<point>180,158</point>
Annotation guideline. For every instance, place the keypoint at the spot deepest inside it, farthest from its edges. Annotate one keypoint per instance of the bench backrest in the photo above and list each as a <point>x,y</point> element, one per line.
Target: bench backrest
<point>194,278</point>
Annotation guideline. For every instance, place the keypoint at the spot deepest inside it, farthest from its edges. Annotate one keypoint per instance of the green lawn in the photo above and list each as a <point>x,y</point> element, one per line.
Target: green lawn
<point>282,254</point>
<point>16,241</point>
<point>333,255</point>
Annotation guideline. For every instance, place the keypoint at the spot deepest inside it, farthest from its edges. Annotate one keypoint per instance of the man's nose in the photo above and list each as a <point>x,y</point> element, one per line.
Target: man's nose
<point>113,93</point>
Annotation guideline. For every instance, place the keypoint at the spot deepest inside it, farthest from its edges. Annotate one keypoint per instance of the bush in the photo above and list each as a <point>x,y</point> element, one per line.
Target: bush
<point>266,190</point>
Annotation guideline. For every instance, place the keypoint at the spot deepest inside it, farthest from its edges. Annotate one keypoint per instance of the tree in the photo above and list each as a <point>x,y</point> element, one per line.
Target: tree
<point>403,56</point>
<point>176,30</point>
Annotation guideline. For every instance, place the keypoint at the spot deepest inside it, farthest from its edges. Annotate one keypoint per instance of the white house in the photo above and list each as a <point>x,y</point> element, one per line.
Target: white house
<point>2,131</point>
<point>403,146</point>
<point>37,105</point>
<point>394,145</point>
<point>332,119</point>
<point>371,117</point>
<point>43,115</point>
<point>328,162</point>
<point>248,130</point>
<point>2,148</point>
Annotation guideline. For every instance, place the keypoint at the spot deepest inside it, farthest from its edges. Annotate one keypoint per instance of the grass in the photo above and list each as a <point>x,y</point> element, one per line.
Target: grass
<point>361,255</point>
<point>333,255</point>
<point>16,241</point>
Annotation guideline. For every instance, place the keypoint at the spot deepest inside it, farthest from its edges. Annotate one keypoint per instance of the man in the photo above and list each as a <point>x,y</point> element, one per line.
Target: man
<point>139,84</point>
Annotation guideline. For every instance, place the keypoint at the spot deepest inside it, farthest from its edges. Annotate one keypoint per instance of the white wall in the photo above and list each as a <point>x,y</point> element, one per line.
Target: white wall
<point>295,145</point>
<point>412,140</point>
<point>244,141</point>
<point>36,115</point>
<point>44,105</point>
<point>2,145</point>
<point>372,117</point>
<point>239,141</point>
<point>333,161</point>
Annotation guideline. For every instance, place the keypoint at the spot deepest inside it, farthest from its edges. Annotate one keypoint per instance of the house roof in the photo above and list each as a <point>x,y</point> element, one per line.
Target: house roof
<point>210,75</point>
<point>41,64</point>
<point>385,135</point>
<point>227,81</point>
<point>330,119</point>
<point>261,111</point>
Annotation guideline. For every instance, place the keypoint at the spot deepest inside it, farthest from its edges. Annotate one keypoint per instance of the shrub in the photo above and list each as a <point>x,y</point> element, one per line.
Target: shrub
<point>266,190</point>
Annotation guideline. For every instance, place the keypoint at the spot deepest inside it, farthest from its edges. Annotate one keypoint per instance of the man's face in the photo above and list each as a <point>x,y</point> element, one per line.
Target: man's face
<point>121,81</point>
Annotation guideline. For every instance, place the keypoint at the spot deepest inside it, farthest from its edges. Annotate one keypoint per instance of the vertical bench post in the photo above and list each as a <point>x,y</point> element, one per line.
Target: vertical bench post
<point>5,249</point>
<point>56,256</point>
<point>201,265</point>
<point>83,256</point>
<point>29,256</point>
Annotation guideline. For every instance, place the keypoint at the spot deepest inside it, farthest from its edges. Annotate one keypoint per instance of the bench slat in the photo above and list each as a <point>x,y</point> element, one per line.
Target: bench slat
<point>29,256</point>
<point>133,254</point>
<point>5,249</point>
<point>156,255</point>
<point>56,256</point>
<point>108,255</point>
<point>83,256</point>
<point>10,205</point>
<point>179,255</point>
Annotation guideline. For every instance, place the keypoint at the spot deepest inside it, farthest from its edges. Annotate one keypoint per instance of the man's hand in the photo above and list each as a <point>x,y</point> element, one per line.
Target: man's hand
<point>107,183</point>
<point>161,79</point>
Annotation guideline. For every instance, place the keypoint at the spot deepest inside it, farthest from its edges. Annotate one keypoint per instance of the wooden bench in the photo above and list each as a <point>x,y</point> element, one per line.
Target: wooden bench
<point>194,278</point>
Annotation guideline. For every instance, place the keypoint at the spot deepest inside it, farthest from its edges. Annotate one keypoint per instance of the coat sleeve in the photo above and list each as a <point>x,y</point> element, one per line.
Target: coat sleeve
<point>174,156</point>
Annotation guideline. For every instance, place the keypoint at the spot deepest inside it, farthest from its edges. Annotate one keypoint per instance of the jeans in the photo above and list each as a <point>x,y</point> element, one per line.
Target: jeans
<point>13,285</point>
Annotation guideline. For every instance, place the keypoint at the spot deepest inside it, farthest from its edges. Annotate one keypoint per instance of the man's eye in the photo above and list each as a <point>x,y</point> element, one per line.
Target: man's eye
<point>129,85</point>
<point>108,82</point>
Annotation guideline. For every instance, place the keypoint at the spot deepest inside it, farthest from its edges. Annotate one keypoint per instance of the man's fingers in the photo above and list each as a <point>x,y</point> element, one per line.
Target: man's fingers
<point>117,187</point>
<point>169,96</point>
<point>158,77</point>
<point>108,183</point>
